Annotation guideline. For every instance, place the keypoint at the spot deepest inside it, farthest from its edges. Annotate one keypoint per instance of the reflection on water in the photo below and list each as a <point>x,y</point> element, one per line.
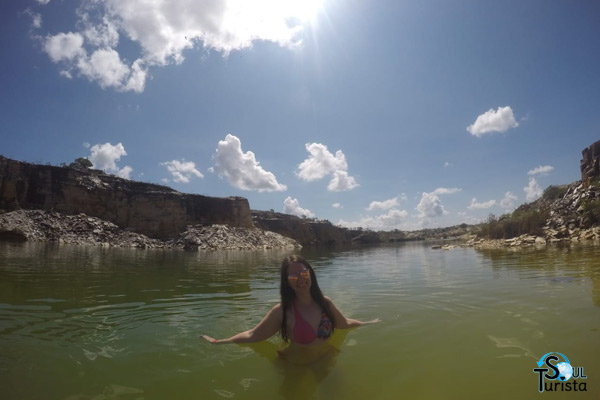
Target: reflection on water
<point>98,323</point>
<point>554,265</point>
<point>302,369</point>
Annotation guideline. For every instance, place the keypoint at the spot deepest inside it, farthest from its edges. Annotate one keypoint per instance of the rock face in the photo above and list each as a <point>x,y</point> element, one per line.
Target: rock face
<point>152,210</point>
<point>590,164</point>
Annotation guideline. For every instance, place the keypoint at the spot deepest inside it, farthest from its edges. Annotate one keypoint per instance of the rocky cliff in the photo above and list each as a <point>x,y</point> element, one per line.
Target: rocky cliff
<point>305,231</point>
<point>568,214</point>
<point>152,210</point>
<point>590,164</point>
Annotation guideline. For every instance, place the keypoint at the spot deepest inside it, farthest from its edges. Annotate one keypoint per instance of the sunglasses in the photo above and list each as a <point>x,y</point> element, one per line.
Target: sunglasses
<point>304,274</point>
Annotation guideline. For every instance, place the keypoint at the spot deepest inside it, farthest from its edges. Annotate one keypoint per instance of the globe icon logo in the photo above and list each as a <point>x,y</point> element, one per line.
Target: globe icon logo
<point>565,371</point>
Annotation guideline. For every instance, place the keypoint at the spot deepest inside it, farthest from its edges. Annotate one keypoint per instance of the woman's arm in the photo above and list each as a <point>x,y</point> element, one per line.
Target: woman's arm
<point>266,328</point>
<point>342,322</point>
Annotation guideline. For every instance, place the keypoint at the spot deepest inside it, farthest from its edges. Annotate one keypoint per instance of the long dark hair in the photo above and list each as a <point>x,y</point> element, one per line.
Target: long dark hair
<point>288,295</point>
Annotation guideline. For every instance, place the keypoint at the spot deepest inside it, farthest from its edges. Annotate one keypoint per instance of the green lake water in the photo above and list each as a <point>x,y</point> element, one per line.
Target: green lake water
<point>94,323</point>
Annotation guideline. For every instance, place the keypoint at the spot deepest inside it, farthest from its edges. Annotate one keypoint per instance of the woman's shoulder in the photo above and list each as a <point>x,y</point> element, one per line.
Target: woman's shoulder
<point>277,309</point>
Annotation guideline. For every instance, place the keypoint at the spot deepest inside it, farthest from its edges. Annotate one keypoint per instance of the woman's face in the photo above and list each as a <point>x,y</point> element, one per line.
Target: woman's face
<point>299,277</point>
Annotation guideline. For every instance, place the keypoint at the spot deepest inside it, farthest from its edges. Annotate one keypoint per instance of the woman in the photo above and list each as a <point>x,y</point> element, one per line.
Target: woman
<point>304,316</point>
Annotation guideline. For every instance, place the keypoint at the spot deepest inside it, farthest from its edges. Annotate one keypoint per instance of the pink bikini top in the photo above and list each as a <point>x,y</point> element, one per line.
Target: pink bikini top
<point>304,333</point>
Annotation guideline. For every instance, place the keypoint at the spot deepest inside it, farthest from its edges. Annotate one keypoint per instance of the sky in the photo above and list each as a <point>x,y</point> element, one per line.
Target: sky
<point>380,114</point>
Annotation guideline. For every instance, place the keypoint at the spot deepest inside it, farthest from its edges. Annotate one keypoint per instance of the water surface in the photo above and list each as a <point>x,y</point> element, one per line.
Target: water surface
<point>93,323</point>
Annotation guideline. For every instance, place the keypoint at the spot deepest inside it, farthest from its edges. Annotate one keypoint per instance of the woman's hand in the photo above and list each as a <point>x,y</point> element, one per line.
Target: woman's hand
<point>373,321</point>
<point>209,339</point>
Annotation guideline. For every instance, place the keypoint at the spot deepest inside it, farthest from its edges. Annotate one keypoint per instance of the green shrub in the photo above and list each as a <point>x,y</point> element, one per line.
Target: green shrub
<point>515,224</point>
<point>591,212</point>
<point>554,192</point>
<point>81,162</point>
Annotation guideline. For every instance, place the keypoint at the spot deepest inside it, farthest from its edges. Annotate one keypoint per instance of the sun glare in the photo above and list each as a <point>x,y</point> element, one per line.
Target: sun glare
<point>299,10</point>
<point>304,10</point>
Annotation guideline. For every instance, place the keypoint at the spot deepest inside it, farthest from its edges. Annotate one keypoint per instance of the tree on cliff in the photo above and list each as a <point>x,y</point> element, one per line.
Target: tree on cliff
<point>81,162</point>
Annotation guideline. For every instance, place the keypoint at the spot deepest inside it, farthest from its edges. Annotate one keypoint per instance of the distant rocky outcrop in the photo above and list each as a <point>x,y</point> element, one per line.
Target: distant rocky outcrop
<point>590,164</point>
<point>304,230</point>
<point>152,210</point>
<point>308,231</point>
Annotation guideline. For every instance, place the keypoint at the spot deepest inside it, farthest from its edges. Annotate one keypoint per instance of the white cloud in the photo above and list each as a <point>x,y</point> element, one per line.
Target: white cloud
<point>163,30</point>
<point>182,170</point>
<point>442,190</point>
<point>493,121</point>
<point>104,66</point>
<point>166,29</point>
<point>430,206</point>
<point>105,157</point>
<point>137,78</point>
<point>125,172</point>
<point>469,219</point>
<point>390,220</point>
<point>341,182</point>
<point>321,163</point>
<point>508,201</point>
<point>102,33</point>
<point>337,205</point>
<point>533,191</point>
<point>241,169</point>
<point>64,46</point>
<point>292,206</point>
<point>541,170</point>
<point>383,205</point>
<point>481,206</point>
<point>36,20</point>
<point>43,2</point>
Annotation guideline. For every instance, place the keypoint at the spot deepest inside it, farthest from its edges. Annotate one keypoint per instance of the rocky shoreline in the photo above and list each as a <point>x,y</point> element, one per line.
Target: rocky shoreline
<point>38,225</point>
<point>591,236</point>
<point>568,221</point>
